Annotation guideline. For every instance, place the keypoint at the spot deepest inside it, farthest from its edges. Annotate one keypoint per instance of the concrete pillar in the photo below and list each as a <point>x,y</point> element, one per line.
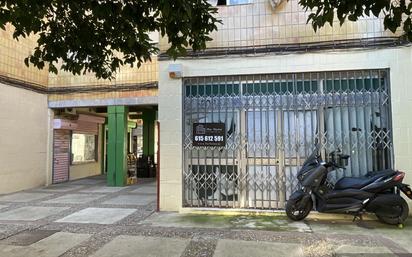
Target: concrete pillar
<point>50,142</point>
<point>117,146</point>
<point>171,139</point>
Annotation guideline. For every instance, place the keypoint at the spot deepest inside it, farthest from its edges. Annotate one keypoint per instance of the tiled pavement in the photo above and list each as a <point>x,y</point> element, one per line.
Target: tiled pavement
<point>87,218</point>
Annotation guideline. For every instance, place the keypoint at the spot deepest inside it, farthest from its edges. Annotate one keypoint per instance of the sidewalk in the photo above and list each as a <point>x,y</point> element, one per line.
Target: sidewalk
<point>86,218</point>
<point>277,236</point>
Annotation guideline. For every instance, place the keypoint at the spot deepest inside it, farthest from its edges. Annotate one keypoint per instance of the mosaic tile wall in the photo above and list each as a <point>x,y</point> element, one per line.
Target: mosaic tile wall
<point>253,24</point>
<point>103,95</point>
<point>257,24</point>
<point>12,66</point>
<point>12,59</point>
<point>148,72</point>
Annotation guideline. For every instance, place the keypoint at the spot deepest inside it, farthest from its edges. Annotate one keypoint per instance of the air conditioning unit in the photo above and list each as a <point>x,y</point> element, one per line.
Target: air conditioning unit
<point>71,111</point>
<point>275,3</point>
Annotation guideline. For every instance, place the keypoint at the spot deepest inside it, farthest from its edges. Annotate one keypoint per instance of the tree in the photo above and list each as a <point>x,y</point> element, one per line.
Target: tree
<point>101,35</point>
<point>396,13</point>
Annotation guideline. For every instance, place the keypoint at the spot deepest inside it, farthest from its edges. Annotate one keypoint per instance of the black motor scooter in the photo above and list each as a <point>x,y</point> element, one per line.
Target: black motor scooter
<point>377,192</point>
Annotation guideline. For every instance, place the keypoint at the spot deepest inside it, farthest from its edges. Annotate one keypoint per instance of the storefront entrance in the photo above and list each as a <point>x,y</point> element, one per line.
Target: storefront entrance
<point>272,123</point>
<point>119,142</point>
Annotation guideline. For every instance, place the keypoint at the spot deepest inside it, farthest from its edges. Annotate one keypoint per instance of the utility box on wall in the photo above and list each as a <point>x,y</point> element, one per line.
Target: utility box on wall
<point>175,71</point>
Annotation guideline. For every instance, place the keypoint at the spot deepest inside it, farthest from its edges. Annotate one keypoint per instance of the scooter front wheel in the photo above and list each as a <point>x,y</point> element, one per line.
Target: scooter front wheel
<point>296,210</point>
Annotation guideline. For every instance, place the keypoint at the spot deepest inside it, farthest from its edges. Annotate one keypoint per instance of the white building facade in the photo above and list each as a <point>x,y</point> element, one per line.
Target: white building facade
<point>280,89</point>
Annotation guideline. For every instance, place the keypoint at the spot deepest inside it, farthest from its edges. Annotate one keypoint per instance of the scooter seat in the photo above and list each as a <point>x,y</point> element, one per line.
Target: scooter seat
<point>360,182</point>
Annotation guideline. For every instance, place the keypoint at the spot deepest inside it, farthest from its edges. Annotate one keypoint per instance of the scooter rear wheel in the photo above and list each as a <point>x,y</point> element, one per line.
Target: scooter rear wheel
<point>396,219</point>
<point>298,213</point>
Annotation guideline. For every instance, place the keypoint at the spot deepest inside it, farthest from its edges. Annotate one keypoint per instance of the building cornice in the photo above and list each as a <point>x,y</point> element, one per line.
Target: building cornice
<point>23,84</point>
<point>294,48</point>
<point>106,88</point>
<point>76,89</point>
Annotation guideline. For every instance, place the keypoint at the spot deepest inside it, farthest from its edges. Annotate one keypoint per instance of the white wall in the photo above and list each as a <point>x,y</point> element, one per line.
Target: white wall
<point>23,139</point>
<point>398,60</point>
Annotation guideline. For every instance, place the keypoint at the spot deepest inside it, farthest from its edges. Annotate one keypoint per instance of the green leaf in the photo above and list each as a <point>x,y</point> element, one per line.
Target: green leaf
<point>26,61</point>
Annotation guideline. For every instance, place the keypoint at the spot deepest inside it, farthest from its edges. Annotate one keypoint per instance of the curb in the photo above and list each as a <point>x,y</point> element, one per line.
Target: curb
<point>314,215</point>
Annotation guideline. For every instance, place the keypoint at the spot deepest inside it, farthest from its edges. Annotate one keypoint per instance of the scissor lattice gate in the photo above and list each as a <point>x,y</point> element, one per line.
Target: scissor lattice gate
<point>273,122</point>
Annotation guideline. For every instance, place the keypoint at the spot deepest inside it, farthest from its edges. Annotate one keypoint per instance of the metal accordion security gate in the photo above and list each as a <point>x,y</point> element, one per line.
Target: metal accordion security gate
<point>272,123</point>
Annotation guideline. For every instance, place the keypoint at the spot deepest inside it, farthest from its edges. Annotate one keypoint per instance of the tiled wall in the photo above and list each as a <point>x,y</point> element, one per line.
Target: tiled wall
<point>148,72</point>
<point>257,24</point>
<point>251,24</point>
<point>12,66</point>
<point>12,58</point>
<point>104,95</point>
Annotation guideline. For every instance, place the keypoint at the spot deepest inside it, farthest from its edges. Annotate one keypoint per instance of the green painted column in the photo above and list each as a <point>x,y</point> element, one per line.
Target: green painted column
<point>117,146</point>
<point>111,146</point>
<point>149,118</point>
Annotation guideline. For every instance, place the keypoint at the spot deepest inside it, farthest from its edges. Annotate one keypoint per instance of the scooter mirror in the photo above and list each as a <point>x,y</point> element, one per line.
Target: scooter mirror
<point>338,159</point>
<point>345,157</point>
<point>342,160</point>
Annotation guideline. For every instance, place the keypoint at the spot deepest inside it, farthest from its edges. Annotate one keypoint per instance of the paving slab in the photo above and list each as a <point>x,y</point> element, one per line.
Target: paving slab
<point>102,189</point>
<point>131,200</point>
<point>87,181</point>
<point>8,229</point>
<point>74,198</point>
<point>237,248</point>
<point>138,246</point>
<point>151,184</point>
<point>350,251</point>
<point>52,246</point>
<point>270,223</point>
<point>348,226</point>
<point>61,188</point>
<point>28,237</point>
<point>342,227</point>
<point>145,190</point>
<point>23,197</point>
<point>402,238</point>
<point>98,215</point>
<point>30,213</point>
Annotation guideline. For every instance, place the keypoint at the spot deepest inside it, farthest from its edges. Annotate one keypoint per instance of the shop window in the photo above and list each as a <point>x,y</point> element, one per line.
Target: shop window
<point>83,148</point>
<point>351,85</point>
<point>213,90</point>
<point>277,87</point>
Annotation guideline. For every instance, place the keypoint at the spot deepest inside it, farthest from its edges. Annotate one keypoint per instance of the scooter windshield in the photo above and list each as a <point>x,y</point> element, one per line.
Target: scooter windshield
<point>309,164</point>
<point>312,159</point>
